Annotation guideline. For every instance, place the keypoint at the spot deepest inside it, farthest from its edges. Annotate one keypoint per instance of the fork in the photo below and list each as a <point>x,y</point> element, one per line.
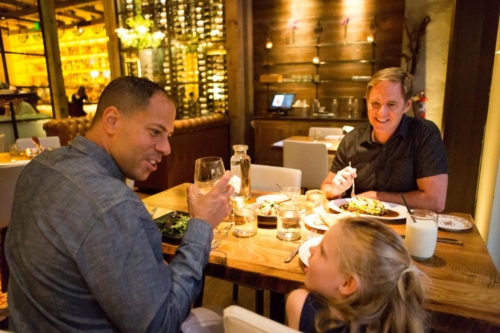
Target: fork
<point>153,211</point>
<point>353,196</point>
<point>216,243</point>
<point>311,235</point>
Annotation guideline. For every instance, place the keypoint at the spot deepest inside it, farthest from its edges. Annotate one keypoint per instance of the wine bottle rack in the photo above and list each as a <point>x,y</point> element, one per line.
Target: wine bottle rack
<point>191,59</point>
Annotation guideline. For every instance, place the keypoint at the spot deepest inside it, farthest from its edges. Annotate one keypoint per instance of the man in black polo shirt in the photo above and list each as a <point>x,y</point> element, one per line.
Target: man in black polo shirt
<point>394,153</point>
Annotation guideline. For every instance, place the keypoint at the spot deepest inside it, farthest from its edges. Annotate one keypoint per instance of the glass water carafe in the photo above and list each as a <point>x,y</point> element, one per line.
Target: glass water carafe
<point>240,167</point>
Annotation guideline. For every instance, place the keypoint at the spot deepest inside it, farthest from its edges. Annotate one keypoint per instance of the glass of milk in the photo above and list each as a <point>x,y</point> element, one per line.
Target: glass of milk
<point>421,233</point>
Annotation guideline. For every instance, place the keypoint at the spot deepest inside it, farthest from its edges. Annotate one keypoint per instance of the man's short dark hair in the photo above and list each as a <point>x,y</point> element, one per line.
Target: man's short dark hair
<point>129,94</point>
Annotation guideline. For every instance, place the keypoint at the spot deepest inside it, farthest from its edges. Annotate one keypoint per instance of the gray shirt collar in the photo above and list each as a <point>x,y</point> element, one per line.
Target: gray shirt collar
<point>96,152</point>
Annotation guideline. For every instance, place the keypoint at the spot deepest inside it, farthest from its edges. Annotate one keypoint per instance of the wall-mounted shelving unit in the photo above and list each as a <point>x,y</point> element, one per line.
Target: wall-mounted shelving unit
<point>325,68</point>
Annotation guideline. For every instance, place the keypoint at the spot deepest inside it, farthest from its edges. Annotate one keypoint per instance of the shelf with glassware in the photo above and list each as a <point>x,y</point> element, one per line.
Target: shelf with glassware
<point>84,60</point>
<point>337,69</point>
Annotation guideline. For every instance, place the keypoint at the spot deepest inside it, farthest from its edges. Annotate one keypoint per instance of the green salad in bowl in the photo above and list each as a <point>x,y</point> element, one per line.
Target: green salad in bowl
<point>172,226</point>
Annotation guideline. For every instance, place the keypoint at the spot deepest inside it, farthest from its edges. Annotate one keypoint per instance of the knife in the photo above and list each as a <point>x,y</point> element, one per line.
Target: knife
<point>446,240</point>
<point>450,241</point>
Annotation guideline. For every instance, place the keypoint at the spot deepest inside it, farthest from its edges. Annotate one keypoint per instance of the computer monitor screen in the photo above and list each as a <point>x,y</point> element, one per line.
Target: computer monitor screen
<point>282,101</point>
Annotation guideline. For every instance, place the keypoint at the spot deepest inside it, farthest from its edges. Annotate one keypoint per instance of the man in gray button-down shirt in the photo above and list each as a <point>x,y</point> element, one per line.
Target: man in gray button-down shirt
<point>83,252</point>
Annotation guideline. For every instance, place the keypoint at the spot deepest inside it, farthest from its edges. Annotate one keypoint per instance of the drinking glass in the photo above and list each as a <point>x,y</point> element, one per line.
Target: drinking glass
<point>30,153</point>
<point>291,192</point>
<point>315,198</point>
<point>14,149</point>
<point>421,233</point>
<point>245,221</point>
<point>288,225</point>
<point>317,134</point>
<point>207,172</point>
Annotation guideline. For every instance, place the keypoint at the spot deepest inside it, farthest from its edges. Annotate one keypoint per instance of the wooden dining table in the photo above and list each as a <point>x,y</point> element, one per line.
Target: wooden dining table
<point>332,145</point>
<point>463,289</point>
<point>6,158</point>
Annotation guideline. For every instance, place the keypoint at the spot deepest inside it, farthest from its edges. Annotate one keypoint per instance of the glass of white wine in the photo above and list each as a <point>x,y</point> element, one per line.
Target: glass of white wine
<point>207,172</point>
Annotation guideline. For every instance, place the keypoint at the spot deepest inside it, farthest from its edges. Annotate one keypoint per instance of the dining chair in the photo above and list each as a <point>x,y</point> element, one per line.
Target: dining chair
<point>309,157</point>
<point>265,177</point>
<point>9,172</point>
<point>240,320</point>
<point>325,131</point>
<point>45,141</point>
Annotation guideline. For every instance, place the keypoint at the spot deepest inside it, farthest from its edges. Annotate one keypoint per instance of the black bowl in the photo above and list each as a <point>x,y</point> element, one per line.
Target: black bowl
<point>173,238</point>
<point>268,221</point>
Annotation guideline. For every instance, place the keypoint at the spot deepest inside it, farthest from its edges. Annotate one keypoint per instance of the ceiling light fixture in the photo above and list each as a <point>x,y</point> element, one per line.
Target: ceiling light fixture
<point>139,35</point>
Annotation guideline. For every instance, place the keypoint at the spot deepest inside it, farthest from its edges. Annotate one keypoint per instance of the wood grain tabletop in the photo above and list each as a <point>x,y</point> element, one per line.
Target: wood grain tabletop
<point>463,285</point>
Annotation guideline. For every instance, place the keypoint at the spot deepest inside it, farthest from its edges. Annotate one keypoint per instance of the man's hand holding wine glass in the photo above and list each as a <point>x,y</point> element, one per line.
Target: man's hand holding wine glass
<point>214,204</point>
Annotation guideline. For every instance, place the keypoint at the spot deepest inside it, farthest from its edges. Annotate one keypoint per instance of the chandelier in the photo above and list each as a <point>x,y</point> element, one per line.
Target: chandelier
<point>139,35</point>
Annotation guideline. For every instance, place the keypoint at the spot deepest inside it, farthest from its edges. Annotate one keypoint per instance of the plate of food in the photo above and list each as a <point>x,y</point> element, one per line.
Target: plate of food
<point>453,223</point>
<point>304,252</point>
<point>370,208</point>
<point>172,226</point>
<point>267,212</point>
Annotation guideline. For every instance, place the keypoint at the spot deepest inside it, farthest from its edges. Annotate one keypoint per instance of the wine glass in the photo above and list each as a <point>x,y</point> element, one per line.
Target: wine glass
<point>207,172</point>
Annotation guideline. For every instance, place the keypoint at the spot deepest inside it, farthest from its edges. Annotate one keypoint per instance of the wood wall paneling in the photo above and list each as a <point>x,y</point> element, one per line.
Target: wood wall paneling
<point>271,20</point>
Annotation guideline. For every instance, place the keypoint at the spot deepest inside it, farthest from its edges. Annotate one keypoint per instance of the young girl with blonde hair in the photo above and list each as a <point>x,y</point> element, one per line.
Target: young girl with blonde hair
<point>360,278</point>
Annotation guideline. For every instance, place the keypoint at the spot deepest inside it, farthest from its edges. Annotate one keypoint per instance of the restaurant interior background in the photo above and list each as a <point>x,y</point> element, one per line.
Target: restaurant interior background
<point>221,65</point>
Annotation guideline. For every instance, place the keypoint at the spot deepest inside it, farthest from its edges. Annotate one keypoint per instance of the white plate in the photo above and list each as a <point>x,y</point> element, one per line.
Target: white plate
<point>453,223</point>
<point>271,197</point>
<point>399,210</point>
<point>314,221</point>
<point>304,253</point>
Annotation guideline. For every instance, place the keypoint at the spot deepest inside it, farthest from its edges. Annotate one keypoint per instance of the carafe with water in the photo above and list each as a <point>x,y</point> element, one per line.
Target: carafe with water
<point>240,168</point>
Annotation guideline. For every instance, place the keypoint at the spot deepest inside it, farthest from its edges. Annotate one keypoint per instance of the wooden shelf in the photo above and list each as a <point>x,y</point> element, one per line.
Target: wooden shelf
<point>322,63</point>
<point>341,44</point>
<point>332,80</point>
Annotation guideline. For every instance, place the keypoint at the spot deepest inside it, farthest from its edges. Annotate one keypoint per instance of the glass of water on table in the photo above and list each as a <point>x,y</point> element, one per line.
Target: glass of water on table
<point>288,226</point>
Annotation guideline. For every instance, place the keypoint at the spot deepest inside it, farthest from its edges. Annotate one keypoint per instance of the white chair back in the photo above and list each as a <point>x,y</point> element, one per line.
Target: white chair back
<point>8,178</point>
<point>240,320</point>
<point>265,177</point>
<point>309,157</point>
<point>326,131</point>
<point>45,141</point>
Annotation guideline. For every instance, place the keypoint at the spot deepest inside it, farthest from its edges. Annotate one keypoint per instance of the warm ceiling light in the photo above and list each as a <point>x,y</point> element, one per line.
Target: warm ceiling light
<point>269,44</point>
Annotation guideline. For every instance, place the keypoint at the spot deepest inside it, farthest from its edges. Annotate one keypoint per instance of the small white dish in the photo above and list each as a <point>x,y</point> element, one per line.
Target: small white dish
<point>314,221</point>
<point>271,197</point>
<point>304,252</point>
<point>453,223</point>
